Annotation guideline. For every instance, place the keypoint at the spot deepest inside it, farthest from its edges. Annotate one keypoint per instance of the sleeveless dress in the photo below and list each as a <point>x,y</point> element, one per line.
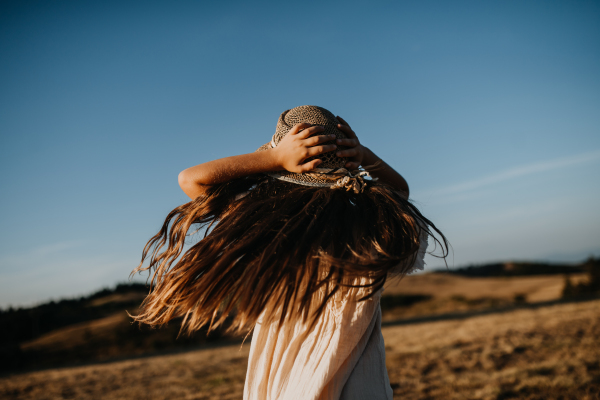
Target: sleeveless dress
<point>342,357</point>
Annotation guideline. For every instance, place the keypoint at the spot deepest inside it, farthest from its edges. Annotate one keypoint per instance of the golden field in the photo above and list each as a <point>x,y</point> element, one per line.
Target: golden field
<point>545,351</point>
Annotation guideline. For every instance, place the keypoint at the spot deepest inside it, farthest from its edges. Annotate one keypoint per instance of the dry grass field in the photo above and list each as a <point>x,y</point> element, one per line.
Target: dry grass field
<point>545,353</point>
<point>448,293</point>
<point>538,353</point>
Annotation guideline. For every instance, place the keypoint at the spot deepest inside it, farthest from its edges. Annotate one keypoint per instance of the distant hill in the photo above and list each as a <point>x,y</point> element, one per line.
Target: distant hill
<point>514,269</point>
<point>93,327</point>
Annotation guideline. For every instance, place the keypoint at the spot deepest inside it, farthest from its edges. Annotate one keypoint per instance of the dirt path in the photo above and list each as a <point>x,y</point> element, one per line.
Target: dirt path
<point>542,353</point>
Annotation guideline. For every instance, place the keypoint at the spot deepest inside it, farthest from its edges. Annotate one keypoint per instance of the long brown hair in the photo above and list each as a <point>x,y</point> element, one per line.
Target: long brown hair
<point>280,242</point>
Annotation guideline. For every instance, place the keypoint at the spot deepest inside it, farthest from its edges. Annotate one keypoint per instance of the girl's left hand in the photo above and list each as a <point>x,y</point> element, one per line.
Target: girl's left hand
<point>356,152</point>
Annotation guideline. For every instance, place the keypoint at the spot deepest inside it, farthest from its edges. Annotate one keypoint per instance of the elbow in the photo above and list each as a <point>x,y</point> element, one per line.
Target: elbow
<point>403,191</point>
<point>183,179</point>
<point>189,184</point>
<point>404,194</point>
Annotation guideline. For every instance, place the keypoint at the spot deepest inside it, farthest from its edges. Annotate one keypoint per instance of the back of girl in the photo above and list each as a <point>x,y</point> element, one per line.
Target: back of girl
<point>300,237</point>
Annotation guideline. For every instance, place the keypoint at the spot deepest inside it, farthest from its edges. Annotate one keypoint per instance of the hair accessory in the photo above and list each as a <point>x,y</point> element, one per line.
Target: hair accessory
<point>353,182</point>
<point>332,178</point>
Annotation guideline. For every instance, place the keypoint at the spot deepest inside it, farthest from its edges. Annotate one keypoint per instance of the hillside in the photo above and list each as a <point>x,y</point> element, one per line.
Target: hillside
<point>97,328</point>
<point>92,328</point>
<point>540,353</point>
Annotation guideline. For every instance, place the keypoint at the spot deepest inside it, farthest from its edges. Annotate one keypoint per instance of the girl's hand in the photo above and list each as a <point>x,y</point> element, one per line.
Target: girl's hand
<point>300,144</point>
<point>356,152</point>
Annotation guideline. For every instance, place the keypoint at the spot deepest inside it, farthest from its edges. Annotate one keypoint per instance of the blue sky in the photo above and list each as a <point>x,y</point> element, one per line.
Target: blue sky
<point>491,111</point>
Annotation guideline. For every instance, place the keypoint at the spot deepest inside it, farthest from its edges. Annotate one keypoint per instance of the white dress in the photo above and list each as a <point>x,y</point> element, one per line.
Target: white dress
<point>342,357</point>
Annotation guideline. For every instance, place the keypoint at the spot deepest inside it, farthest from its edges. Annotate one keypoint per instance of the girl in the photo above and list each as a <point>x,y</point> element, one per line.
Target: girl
<point>298,243</point>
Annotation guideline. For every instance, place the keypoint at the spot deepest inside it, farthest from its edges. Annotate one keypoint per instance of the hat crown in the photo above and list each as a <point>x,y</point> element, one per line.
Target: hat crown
<point>313,115</point>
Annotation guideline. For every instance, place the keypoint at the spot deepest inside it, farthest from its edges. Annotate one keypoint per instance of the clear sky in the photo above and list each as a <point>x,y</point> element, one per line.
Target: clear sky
<point>491,111</point>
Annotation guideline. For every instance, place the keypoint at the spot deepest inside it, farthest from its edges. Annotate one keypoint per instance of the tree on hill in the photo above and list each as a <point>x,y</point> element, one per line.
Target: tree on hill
<point>589,288</point>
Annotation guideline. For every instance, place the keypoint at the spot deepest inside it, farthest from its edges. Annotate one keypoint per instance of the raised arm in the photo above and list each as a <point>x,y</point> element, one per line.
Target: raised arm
<point>289,154</point>
<point>361,155</point>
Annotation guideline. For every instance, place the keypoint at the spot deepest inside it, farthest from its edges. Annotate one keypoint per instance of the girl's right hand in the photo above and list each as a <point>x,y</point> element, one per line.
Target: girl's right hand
<point>300,144</point>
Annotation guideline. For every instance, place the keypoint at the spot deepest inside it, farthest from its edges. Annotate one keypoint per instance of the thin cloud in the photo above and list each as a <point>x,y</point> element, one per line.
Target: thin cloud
<point>35,258</point>
<point>515,172</point>
<point>57,247</point>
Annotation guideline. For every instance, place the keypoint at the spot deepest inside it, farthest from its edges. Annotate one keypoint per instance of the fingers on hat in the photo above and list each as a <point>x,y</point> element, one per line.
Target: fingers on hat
<point>352,165</point>
<point>343,121</point>
<point>309,166</point>
<point>347,130</point>
<point>347,142</point>
<point>315,140</point>
<point>347,153</point>
<point>308,132</point>
<point>298,127</point>
<point>316,150</point>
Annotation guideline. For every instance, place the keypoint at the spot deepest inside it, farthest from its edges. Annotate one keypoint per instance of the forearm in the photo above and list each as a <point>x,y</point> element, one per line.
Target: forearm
<point>385,173</point>
<point>302,142</point>
<point>195,180</point>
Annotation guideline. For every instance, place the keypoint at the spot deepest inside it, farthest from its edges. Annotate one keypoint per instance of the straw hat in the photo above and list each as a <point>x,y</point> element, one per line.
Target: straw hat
<point>331,172</point>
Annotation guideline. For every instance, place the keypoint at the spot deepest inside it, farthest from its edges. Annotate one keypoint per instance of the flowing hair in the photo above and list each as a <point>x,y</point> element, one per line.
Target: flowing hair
<point>266,240</point>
